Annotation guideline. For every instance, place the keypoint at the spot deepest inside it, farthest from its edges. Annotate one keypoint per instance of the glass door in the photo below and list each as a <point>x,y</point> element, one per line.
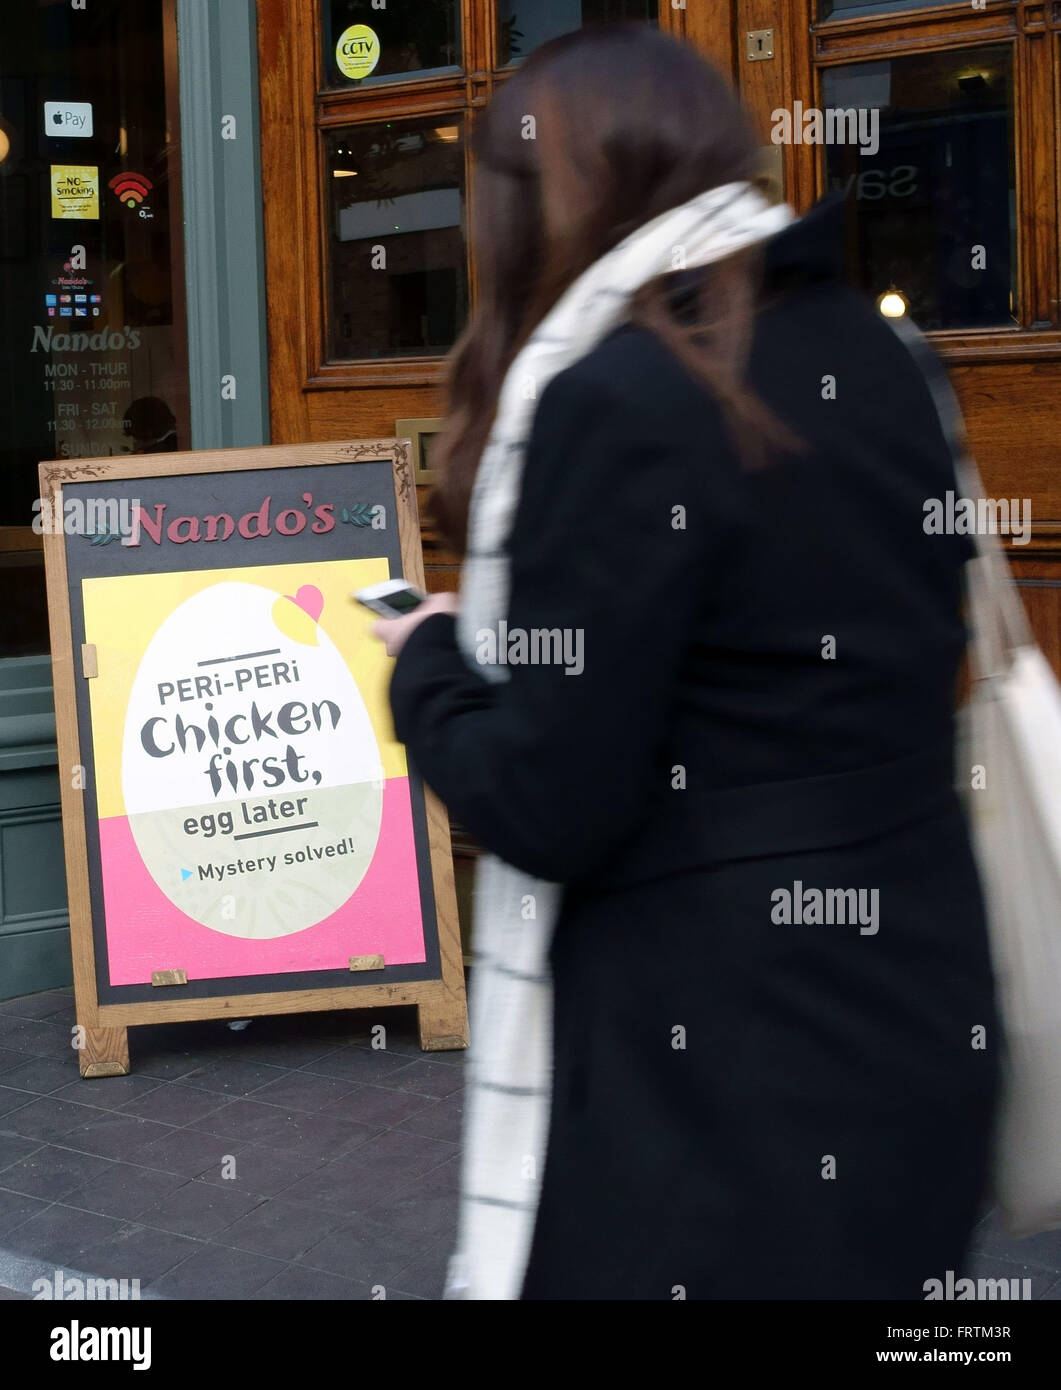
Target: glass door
<point>93,357</point>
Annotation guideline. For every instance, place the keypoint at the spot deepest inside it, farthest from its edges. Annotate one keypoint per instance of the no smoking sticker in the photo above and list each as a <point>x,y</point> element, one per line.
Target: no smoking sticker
<point>75,192</point>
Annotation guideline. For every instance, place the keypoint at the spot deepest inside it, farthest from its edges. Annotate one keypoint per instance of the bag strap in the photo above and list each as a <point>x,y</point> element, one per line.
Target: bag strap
<point>997,617</point>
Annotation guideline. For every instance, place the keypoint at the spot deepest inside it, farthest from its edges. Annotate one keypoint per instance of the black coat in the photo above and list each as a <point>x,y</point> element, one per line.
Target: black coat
<point>743,1106</point>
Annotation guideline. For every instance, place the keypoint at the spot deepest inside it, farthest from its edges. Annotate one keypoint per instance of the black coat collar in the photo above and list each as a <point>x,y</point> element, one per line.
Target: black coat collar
<point>809,249</point>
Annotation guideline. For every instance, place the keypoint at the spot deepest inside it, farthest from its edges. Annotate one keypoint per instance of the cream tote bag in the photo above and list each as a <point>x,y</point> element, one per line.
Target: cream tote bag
<point>1009,774</point>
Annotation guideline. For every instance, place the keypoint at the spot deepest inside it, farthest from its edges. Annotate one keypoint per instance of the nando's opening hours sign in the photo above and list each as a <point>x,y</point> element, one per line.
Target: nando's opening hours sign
<point>243,832</point>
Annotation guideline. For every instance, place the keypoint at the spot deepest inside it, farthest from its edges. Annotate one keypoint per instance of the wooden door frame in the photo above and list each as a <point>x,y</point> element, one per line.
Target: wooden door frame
<point>293,113</point>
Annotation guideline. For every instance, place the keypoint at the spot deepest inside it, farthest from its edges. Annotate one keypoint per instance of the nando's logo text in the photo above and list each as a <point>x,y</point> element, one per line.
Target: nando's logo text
<point>159,523</point>
<point>106,340</point>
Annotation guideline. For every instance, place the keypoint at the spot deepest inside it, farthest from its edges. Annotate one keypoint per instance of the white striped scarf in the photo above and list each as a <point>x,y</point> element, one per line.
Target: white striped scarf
<point>510,1061</point>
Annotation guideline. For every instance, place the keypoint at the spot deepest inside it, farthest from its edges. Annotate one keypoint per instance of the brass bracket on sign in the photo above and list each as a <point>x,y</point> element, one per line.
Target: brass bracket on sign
<point>169,977</point>
<point>105,1069</point>
<point>366,963</point>
<point>446,1042</point>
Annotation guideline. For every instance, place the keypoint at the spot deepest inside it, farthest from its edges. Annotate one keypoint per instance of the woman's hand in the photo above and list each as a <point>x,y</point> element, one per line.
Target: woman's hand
<point>394,632</point>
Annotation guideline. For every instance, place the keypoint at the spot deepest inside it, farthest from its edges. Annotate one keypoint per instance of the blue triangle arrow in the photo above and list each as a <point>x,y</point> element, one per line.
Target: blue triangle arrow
<point>185,874</point>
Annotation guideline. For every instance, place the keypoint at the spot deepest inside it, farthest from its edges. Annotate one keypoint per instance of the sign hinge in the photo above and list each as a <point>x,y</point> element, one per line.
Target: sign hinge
<point>89,661</point>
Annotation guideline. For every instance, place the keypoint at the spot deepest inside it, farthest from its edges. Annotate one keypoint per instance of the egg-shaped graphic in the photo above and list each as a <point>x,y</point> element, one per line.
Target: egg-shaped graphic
<point>251,775</point>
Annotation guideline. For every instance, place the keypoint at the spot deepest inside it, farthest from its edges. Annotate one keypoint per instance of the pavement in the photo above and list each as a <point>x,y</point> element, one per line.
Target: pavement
<point>289,1160</point>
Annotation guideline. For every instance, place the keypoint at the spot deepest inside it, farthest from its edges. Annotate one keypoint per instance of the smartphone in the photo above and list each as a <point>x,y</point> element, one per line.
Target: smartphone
<point>393,598</point>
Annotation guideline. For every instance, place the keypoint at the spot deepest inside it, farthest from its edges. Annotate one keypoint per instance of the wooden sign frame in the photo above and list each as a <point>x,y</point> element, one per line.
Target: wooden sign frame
<point>104,1050</point>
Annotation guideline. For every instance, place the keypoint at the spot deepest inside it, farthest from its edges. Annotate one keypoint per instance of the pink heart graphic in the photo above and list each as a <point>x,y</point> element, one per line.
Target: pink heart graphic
<point>310,599</point>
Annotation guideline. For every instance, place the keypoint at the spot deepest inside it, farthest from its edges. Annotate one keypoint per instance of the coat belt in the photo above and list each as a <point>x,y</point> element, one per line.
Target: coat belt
<point>701,829</point>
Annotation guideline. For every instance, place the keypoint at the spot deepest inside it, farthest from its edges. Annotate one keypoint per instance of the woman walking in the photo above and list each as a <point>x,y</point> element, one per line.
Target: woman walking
<point>696,702</point>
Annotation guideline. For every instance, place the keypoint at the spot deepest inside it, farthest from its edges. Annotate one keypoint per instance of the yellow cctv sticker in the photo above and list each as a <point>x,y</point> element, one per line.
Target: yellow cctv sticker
<point>75,191</point>
<point>357,51</point>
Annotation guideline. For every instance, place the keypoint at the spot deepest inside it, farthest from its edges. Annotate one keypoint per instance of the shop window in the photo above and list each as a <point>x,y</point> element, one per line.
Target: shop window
<point>523,25</point>
<point>366,43</point>
<point>398,283</point>
<point>931,191</point>
<point>93,356</point>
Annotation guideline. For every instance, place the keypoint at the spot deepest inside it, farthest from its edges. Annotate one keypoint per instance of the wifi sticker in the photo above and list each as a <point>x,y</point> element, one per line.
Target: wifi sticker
<point>131,189</point>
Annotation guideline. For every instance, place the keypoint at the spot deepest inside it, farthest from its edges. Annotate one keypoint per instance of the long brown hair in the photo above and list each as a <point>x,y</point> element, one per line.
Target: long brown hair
<point>598,132</point>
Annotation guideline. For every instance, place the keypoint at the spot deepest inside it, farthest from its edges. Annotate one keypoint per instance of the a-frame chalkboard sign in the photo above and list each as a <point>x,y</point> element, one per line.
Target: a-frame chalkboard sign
<point>243,833</point>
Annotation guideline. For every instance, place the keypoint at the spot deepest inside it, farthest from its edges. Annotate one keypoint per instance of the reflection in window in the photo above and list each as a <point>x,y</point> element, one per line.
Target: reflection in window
<point>398,263</point>
<point>855,9</point>
<point>365,41</point>
<point>522,25</point>
<point>932,213</point>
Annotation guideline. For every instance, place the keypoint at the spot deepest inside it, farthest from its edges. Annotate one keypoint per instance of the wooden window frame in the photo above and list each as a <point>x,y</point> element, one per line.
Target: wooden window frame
<point>1033,28</point>
<point>297,41</point>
